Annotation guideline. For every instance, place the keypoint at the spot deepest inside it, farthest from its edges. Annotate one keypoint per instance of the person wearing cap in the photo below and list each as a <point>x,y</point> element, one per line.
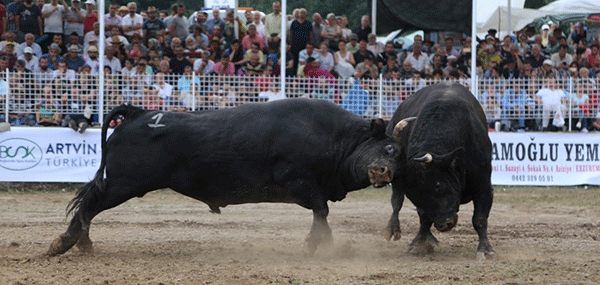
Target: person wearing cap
<point>548,69</point>
<point>74,19</point>
<point>74,59</point>
<point>31,61</point>
<point>92,59</point>
<point>9,53</point>
<point>132,22</point>
<point>116,38</point>
<point>367,69</point>
<point>29,42</point>
<point>91,16</point>
<point>153,27</point>
<point>352,45</point>
<point>28,19</point>
<point>374,46</point>
<point>112,19</point>
<point>492,33</point>
<point>53,14</point>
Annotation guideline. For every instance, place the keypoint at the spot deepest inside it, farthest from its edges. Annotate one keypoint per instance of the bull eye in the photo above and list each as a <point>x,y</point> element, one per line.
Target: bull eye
<point>438,185</point>
<point>389,149</point>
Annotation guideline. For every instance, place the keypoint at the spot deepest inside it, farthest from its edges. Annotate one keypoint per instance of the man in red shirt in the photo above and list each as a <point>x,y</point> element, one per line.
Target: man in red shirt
<point>91,16</point>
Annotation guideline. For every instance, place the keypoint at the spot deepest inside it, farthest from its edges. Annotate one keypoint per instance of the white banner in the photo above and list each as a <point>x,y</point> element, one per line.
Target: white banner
<point>29,154</point>
<point>221,4</point>
<point>557,159</point>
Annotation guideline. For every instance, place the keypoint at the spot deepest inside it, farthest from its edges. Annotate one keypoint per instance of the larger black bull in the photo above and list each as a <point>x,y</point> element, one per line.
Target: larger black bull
<point>293,151</point>
<point>445,161</point>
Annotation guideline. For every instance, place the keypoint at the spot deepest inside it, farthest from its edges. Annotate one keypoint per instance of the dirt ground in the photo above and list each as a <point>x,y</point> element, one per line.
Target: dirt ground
<point>541,236</point>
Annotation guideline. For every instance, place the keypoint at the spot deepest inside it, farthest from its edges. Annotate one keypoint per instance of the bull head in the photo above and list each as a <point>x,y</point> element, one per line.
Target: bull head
<point>400,126</point>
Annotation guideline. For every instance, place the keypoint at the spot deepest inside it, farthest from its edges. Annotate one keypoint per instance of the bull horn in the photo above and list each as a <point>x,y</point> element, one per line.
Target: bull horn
<point>427,158</point>
<point>401,125</point>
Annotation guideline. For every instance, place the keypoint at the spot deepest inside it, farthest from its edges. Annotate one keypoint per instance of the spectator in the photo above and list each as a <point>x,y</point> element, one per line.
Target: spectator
<point>357,100</point>
<point>367,69</point>
<point>191,49</point>
<point>317,29</point>
<point>253,37</point>
<point>74,19</point>
<point>188,89</point>
<point>392,64</point>
<point>43,74</point>
<point>352,45</point>
<point>73,59</point>
<point>116,38</point>
<point>260,27</point>
<point>273,21</point>
<point>204,65</point>
<point>331,32</point>
<point>365,29</point>
<point>362,52</point>
<point>547,70</point>
<point>346,32</point>
<point>375,47</point>
<point>236,54</point>
<point>9,54</point>
<point>111,61</point>
<point>178,27</point>
<point>449,47</point>
<point>136,45</point>
<point>225,66</point>
<point>216,49</point>
<point>536,59</point>
<point>300,34</point>
<point>53,14</point>
<point>179,62</point>
<point>132,22</point>
<point>344,61</point>
<point>48,113</point>
<point>167,21</point>
<point>164,91</point>
<point>29,42</point>
<point>580,58</point>
<point>112,20</point>
<point>309,51</point>
<point>407,70</point>
<point>58,40</point>
<point>561,57</point>
<point>153,26</point>
<point>92,35</point>
<point>326,58</point>
<point>253,51</point>
<point>31,61</point>
<point>91,16</point>
<point>199,22</point>
<point>578,33</point>
<point>28,20</point>
<point>253,67</point>
<point>553,101</point>
<point>513,104</point>
<point>216,21</point>
<point>487,56</point>
<point>11,22</point>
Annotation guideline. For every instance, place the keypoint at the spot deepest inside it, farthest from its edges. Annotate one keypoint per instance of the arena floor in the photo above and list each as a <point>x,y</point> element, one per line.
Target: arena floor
<point>541,236</point>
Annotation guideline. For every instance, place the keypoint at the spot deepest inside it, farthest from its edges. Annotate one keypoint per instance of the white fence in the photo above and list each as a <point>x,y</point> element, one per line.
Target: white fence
<point>46,98</point>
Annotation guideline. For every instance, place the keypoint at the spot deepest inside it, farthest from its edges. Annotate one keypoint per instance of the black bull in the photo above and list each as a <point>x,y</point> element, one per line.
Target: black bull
<point>298,151</point>
<point>445,161</point>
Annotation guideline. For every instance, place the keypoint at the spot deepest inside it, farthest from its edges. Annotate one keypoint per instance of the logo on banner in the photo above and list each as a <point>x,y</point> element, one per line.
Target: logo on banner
<point>19,154</point>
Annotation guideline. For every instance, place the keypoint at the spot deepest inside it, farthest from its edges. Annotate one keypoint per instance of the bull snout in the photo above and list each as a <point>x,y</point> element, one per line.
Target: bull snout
<point>380,175</point>
<point>447,224</point>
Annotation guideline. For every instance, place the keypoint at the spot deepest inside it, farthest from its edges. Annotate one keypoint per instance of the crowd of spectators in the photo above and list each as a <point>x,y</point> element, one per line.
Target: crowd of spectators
<point>151,56</point>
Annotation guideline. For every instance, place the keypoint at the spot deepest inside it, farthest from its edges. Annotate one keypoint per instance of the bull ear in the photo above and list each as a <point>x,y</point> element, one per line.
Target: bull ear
<point>378,128</point>
<point>452,158</point>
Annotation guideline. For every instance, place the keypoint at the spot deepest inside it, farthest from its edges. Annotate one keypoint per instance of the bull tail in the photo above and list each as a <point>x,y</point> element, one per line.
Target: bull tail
<point>92,190</point>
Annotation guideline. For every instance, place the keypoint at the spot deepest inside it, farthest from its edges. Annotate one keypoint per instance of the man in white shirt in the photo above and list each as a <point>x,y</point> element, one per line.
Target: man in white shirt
<point>132,22</point>
<point>31,61</point>
<point>273,20</point>
<point>29,42</point>
<point>111,60</point>
<point>561,57</point>
<point>92,35</point>
<point>418,60</point>
<point>204,65</point>
<point>553,101</point>
<point>53,14</point>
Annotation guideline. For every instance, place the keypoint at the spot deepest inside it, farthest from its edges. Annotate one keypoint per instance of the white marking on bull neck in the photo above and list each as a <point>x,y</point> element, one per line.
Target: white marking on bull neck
<point>156,124</point>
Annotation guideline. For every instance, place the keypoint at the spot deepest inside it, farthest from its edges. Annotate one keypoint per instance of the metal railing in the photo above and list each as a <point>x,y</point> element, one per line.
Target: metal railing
<point>47,98</point>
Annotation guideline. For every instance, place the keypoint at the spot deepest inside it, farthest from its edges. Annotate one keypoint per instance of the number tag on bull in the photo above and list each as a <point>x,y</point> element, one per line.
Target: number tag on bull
<point>156,124</point>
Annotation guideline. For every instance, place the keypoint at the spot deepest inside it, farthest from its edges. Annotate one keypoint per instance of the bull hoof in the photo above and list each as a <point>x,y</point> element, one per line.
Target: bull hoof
<point>485,255</point>
<point>309,248</point>
<point>392,233</point>
<point>60,245</point>
<point>423,246</point>
<point>85,244</point>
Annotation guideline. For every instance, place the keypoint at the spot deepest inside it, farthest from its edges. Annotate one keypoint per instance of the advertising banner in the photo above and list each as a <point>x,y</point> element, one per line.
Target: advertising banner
<point>49,155</point>
<point>30,154</point>
<point>557,159</point>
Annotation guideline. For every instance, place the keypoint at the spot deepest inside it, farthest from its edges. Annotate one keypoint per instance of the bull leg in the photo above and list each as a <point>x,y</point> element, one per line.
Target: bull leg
<point>424,242</point>
<point>483,204</point>
<point>90,206</point>
<point>320,233</point>
<point>393,227</point>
